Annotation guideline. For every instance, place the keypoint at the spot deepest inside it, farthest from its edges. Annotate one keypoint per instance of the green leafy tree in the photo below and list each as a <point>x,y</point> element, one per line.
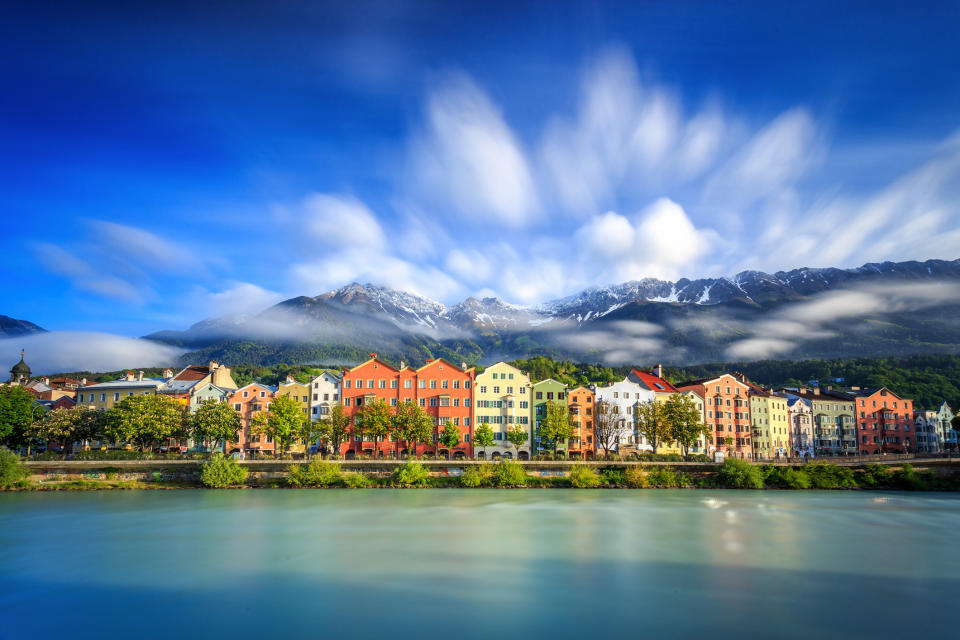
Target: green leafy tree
<point>652,424</point>
<point>339,424</point>
<point>517,436</point>
<point>57,425</point>
<point>450,437</point>
<point>145,420</point>
<point>17,413</point>
<point>483,437</point>
<point>376,421</point>
<point>215,422</point>
<point>558,425</point>
<point>282,421</point>
<point>311,431</point>
<point>685,421</point>
<point>90,425</point>
<point>412,425</point>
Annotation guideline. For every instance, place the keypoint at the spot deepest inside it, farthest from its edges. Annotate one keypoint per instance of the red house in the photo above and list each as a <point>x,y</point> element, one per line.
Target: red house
<point>884,421</point>
<point>727,408</point>
<point>442,389</point>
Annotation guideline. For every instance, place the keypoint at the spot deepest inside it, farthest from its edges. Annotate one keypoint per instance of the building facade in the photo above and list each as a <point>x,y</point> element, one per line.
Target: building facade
<point>623,398</point>
<point>442,389</point>
<point>501,399</point>
<point>105,395</point>
<point>580,402</point>
<point>948,435</point>
<point>541,393</point>
<point>884,421</point>
<point>801,429</point>
<point>248,401</point>
<point>324,394</point>
<point>834,423</point>
<point>770,424</point>
<point>727,403</point>
<point>926,427</point>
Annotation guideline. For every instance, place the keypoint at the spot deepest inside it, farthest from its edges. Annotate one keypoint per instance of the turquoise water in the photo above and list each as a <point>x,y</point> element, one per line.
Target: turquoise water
<point>477,563</point>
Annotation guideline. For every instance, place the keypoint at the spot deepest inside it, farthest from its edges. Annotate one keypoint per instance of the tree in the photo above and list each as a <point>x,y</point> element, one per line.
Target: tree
<point>608,428</point>
<point>557,426</point>
<point>144,420</point>
<point>517,436</point>
<point>412,425</point>
<point>651,420</point>
<point>57,426</point>
<point>375,420</point>
<point>450,437</point>
<point>17,413</point>
<point>90,424</point>
<point>339,424</point>
<point>215,422</point>
<point>281,421</point>
<point>311,431</point>
<point>483,437</point>
<point>685,421</point>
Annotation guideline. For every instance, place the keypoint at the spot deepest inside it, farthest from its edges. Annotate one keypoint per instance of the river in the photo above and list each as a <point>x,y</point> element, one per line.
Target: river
<point>478,563</point>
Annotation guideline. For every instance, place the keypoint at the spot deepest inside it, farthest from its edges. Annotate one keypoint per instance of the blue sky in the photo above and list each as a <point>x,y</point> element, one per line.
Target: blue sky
<point>167,162</point>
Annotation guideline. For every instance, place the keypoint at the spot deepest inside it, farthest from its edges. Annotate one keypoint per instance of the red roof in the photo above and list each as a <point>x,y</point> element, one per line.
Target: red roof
<point>194,372</point>
<point>653,382</point>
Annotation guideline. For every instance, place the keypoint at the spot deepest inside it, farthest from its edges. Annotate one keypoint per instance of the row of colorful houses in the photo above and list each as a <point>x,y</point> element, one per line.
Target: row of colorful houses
<point>742,419</point>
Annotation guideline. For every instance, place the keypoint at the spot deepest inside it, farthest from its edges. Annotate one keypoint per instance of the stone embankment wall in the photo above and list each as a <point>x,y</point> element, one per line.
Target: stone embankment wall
<point>188,471</point>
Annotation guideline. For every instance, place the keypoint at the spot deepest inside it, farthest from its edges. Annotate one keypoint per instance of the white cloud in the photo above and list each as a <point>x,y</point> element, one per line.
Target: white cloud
<point>62,351</point>
<point>469,160</point>
<point>239,298</point>
<point>339,221</point>
<point>143,248</point>
<point>812,319</point>
<point>84,277</point>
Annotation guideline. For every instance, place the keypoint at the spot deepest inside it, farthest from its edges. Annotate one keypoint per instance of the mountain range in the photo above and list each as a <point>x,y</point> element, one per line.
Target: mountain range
<point>682,322</point>
<point>11,327</point>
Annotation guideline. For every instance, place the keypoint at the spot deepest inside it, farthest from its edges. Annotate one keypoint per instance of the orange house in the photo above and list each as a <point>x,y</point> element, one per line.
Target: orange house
<point>727,409</point>
<point>442,389</point>
<point>581,401</point>
<point>248,401</point>
<point>884,421</point>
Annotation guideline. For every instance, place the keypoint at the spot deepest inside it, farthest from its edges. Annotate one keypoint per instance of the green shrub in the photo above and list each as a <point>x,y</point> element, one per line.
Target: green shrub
<point>614,477</point>
<point>357,481</point>
<point>665,477</point>
<point>12,469</point>
<point>830,476</point>
<point>410,474</point>
<point>480,475</point>
<point>316,474</point>
<point>789,478</point>
<point>636,477</point>
<point>583,477</point>
<point>740,474</point>
<point>908,478</point>
<point>222,472</point>
<point>875,476</point>
<point>510,474</point>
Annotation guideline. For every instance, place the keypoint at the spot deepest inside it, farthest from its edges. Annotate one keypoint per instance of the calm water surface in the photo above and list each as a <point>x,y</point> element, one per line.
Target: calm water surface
<point>478,563</point>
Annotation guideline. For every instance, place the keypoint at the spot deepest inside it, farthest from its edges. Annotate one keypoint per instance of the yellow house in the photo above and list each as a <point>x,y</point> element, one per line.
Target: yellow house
<point>106,395</point>
<point>770,424</point>
<point>301,393</point>
<point>501,399</point>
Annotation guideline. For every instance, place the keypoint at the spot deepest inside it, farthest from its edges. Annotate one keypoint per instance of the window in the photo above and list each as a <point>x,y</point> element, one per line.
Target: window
<point>393,383</point>
<point>433,384</point>
<point>408,383</point>
<point>466,422</point>
<point>549,395</point>
<point>496,389</point>
<point>263,394</point>
<point>539,395</point>
<point>383,383</point>
<point>116,397</point>
<point>423,402</point>
<point>421,384</point>
<point>393,402</point>
<point>444,384</point>
<point>483,389</point>
<point>456,384</point>
<point>466,384</point>
<point>370,383</point>
<point>346,384</point>
<point>244,394</point>
<point>510,390</point>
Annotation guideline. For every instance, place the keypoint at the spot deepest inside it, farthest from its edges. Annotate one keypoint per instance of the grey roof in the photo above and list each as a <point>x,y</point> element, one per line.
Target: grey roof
<point>118,384</point>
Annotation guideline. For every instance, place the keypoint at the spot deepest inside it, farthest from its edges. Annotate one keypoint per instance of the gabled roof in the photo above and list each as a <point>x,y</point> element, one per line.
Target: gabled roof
<point>376,359</point>
<point>704,381</point>
<point>193,372</point>
<point>652,381</point>
<point>548,380</point>
<point>430,363</point>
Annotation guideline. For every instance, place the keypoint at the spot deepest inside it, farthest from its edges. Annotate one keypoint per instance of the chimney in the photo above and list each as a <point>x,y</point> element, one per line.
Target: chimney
<point>129,376</point>
<point>463,365</point>
<point>854,388</point>
<point>167,373</point>
<point>213,364</point>
<point>830,388</point>
<point>658,371</point>
<point>816,391</point>
<point>372,354</point>
<point>83,382</point>
<point>804,390</point>
<point>290,380</point>
<point>139,375</point>
<point>402,364</point>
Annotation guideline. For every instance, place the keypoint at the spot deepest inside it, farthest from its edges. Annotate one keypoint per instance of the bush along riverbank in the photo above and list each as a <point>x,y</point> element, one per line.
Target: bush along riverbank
<point>224,472</point>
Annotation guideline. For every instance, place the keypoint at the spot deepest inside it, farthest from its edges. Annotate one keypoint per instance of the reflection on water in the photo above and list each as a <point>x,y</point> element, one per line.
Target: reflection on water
<point>420,564</point>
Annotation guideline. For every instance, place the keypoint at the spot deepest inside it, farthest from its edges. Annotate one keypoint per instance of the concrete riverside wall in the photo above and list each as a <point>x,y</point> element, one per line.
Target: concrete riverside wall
<point>188,471</point>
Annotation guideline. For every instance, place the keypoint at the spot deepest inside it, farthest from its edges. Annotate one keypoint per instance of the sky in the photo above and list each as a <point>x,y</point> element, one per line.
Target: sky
<point>165,162</point>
